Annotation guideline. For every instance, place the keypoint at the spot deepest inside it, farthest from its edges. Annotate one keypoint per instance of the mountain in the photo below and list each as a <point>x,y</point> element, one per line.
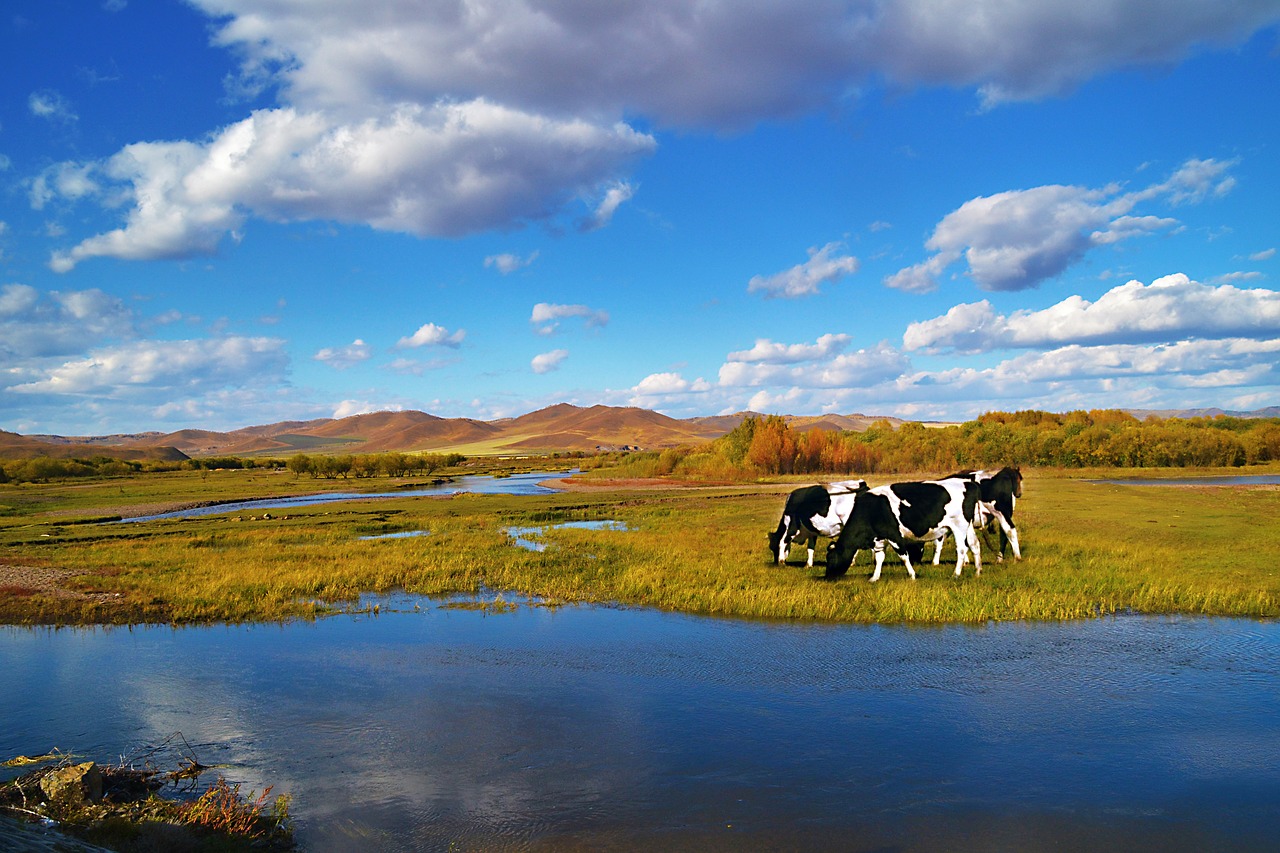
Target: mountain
<point>558,428</point>
<point>126,447</point>
<point>1142,414</point>
<point>555,429</point>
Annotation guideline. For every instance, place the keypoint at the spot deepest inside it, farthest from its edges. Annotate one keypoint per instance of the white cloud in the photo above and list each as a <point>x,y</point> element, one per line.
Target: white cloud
<point>1232,361</point>
<point>1171,308</point>
<point>547,316</point>
<point>1264,255</point>
<point>1196,180</point>
<point>443,170</point>
<point>157,368</point>
<point>657,389</point>
<point>343,357</point>
<point>349,408</point>
<point>548,361</point>
<point>35,325</point>
<point>48,104</point>
<point>715,63</point>
<point>70,181</point>
<point>773,353</point>
<point>860,369</point>
<point>507,263</point>
<point>437,120</point>
<point>431,335</point>
<point>1015,240</point>
<point>823,266</point>
<point>614,197</point>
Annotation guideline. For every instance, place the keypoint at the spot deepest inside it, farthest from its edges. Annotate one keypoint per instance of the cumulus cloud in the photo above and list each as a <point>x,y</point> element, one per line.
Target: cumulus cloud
<point>1231,361</point>
<point>715,63</point>
<point>38,325</point>
<point>824,266</point>
<point>349,408</point>
<point>657,389</point>
<point>343,357</point>
<point>431,335</point>
<point>442,170</point>
<point>860,369</point>
<point>437,121</point>
<point>459,111</point>
<point>1171,308</point>
<point>507,263</point>
<point>155,367</point>
<point>1017,239</point>
<point>773,353</point>
<point>548,361</point>
<point>546,316</point>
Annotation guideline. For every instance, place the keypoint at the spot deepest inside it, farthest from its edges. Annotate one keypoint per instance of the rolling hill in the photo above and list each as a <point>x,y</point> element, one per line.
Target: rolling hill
<point>558,428</point>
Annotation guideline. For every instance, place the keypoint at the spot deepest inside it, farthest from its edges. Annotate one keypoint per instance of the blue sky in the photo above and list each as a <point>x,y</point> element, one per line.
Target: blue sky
<point>220,213</point>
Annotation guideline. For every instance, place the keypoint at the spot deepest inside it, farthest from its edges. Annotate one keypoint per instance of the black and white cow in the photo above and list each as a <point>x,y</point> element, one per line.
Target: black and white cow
<point>813,511</point>
<point>905,516</point>
<point>1000,491</point>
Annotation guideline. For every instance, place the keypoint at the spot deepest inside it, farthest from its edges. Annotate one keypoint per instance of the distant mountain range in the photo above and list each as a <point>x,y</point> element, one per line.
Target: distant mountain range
<point>554,429</point>
<point>1268,412</point>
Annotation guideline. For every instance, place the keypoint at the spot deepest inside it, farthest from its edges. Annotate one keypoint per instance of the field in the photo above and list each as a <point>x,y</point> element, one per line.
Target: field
<point>1089,550</point>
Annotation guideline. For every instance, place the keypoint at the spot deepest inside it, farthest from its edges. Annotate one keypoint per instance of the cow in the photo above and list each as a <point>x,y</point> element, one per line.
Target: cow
<point>813,511</point>
<point>906,516</point>
<point>1000,491</point>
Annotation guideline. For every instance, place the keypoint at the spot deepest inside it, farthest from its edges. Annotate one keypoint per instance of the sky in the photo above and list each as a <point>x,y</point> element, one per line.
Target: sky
<point>222,213</point>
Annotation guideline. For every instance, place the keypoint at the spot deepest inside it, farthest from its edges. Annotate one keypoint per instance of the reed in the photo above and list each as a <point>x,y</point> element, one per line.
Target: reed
<point>1090,550</point>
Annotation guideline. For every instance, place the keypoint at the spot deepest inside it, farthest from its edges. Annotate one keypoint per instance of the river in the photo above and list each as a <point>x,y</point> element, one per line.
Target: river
<point>596,728</point>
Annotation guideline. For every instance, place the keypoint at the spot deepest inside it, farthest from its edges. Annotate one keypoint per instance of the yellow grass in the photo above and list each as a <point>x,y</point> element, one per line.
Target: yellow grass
<point>1089,550</point>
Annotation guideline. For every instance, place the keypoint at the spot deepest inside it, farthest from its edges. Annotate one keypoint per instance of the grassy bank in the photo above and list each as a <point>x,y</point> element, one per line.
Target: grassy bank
<point>1089,550</point>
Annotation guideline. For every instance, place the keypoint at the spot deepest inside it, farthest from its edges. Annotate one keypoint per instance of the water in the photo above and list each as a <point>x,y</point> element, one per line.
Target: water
<point>526,537</point>
<point>591,728</point>
<point>1243,480</point>
<point>516,484</point>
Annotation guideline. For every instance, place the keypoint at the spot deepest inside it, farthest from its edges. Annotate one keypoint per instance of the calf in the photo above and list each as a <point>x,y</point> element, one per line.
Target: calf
<point>905,516</point>
<point>813,511</point>
<point>1000,491</point>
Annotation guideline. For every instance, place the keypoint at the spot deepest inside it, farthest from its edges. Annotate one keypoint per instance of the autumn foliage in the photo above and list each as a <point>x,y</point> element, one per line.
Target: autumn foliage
<point>767,446</point>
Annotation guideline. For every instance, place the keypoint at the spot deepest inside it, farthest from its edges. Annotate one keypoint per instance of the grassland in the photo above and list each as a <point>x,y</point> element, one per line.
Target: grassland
<point>1089,550</point>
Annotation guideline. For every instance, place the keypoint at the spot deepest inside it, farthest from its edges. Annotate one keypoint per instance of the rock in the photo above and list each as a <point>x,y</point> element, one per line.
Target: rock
<point>73,785</point>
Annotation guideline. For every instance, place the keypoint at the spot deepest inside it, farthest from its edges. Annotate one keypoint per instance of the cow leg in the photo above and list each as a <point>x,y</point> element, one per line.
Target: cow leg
<point>906,561</point>
<point>1013,540</point>
<point>937,548</point>
<point>813,543</point>
<point>879,549</point>
<point>974,546</point>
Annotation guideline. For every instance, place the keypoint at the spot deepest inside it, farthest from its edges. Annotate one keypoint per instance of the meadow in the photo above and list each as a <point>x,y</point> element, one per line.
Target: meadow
<point>1089,550</point>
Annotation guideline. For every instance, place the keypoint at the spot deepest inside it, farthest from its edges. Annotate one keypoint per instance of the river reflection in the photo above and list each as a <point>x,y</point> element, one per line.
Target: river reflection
<point>590,728</point>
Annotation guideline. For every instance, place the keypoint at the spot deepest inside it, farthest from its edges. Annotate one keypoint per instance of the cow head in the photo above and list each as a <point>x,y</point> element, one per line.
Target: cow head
<point>778,544</point>
<point>844,548</point>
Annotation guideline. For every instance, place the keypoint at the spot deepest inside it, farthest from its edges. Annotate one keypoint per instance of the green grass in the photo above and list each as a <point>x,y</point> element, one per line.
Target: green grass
<point>1089,550</point>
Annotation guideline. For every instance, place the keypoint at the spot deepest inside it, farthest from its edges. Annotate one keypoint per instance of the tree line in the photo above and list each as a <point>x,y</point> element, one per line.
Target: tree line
<point>1106,438</point>
<point>43,469</point>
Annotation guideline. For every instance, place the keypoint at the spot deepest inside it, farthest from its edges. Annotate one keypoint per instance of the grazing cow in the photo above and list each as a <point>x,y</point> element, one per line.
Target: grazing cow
<point>1000,491</point>
<point>813,511</point>
<point>906,516</point>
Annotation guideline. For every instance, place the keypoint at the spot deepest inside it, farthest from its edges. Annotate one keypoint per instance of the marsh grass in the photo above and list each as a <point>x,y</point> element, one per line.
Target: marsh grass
<point>1089,550</point>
